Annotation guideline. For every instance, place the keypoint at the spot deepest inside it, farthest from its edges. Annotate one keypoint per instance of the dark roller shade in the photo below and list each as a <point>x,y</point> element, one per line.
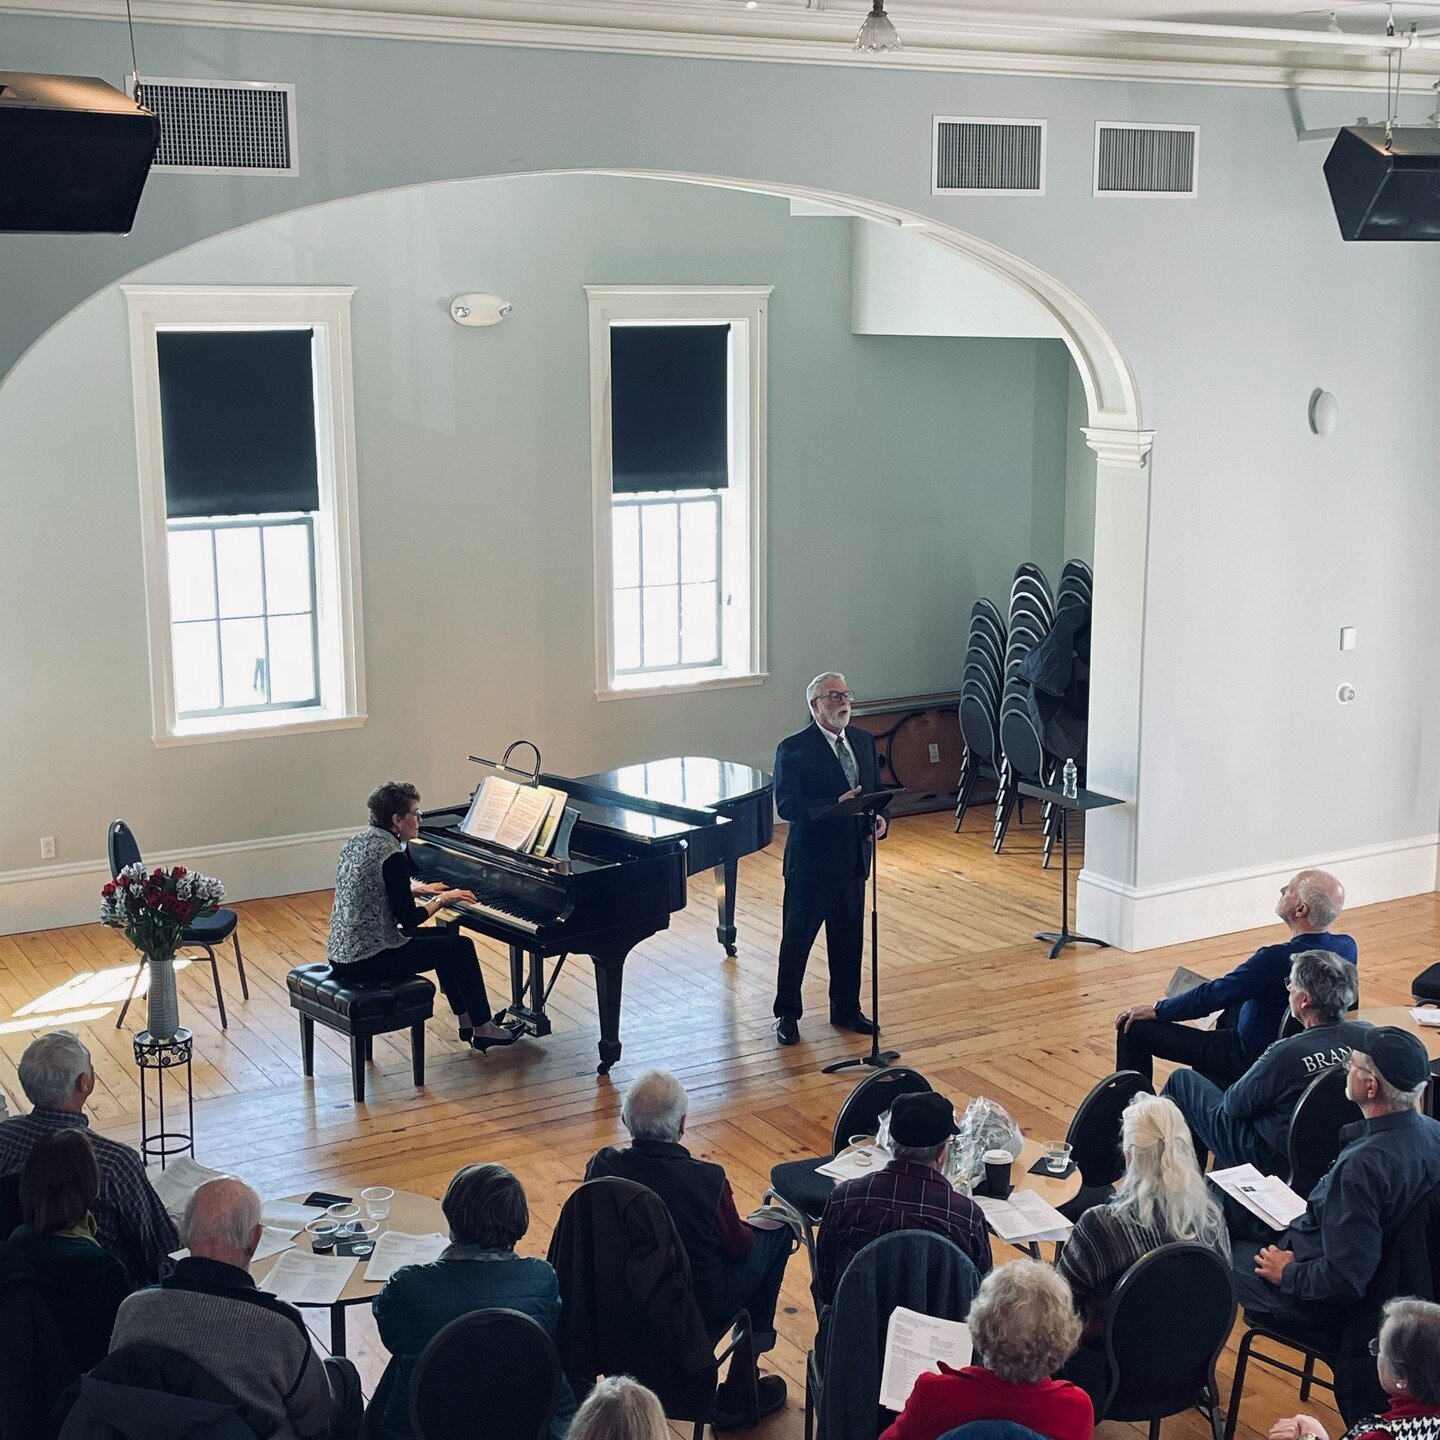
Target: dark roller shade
<point>669,407</point>
<point>237,410</point>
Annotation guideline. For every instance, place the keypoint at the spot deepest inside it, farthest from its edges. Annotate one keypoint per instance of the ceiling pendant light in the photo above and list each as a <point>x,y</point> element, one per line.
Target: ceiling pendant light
<point>877,35</point>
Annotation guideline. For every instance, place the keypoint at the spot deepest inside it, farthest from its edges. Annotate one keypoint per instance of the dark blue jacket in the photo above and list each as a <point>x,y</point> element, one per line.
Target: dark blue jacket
<point>1386,1166</point>
<point>1257,986</point>
<point>807,774</point>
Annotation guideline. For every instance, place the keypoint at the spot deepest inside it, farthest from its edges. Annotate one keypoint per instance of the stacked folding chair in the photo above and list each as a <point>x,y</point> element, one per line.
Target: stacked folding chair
<point>1032,613</point>
<point>980,685</point>
<point>1077,585</point>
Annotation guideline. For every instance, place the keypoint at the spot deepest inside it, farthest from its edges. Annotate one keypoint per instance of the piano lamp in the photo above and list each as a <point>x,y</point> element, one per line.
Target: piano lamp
<point>476,309</point>
<point>877,35</point>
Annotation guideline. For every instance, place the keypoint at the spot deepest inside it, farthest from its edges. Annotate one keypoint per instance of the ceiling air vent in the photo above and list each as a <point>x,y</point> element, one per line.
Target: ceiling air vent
<point>988,157</point>
<point>222,127</point>
<point>1147,160</point>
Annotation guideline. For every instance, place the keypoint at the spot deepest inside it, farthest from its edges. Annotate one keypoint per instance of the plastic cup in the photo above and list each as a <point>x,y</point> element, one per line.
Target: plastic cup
<point>377,1201</point>
<point>861,1140</point>
<point>1057,1157</point>
<point>322,1235</point>
<point>344,1217</point>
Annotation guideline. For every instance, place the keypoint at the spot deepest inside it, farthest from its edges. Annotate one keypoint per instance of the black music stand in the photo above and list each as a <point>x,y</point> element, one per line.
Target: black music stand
<point>870,806</point>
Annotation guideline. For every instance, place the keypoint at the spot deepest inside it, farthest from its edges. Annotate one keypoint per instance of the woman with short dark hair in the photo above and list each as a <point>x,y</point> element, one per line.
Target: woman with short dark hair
<point>81,1282</point>
<point>487,1213</point>
<point>375,922</point>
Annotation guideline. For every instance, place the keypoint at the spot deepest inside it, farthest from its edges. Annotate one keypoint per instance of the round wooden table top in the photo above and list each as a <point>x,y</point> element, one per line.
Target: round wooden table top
<point>411,1214</point>
<point>1400,1016</point>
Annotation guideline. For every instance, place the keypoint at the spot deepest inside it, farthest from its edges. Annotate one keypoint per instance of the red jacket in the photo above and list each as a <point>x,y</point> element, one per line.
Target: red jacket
<point>939,1403</point>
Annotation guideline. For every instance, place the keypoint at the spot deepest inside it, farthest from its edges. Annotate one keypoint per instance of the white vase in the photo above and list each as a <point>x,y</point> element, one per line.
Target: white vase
<point>162,1008</point>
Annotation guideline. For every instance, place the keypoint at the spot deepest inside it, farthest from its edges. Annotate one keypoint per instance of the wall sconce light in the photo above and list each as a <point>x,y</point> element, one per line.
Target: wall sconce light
<point>476,309</point>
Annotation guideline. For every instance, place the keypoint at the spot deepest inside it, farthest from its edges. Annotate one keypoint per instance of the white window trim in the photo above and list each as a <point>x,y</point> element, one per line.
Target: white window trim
<point>325,308</point>
<point>744,303</point>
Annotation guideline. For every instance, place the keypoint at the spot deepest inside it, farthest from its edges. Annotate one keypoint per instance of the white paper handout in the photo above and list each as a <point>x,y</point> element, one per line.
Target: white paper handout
<point>1023,1217</point>
<point>288,1215</point>
<point>179,1180</point>
<point>1183,980</point>
<point>272,1242</point>
<point>851,1164</point>
<point>395,1249</point>
<point>1426,1015</point>
<point>304,1278</point>
<point>915,1344</point>
<point>1267,1196</point>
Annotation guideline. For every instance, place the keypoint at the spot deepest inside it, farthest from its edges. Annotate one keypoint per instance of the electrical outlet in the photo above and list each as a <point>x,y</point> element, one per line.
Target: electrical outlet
<point>934,754</point>
<point>47,847</point>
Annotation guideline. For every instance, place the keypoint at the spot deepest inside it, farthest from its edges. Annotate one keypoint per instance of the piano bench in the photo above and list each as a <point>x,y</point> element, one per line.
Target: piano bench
<point>361,1012</point>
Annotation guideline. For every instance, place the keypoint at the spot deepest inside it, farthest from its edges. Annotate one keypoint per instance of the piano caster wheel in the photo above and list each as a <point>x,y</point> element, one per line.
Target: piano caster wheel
<point>731,952</point>
<point>609,1054</point>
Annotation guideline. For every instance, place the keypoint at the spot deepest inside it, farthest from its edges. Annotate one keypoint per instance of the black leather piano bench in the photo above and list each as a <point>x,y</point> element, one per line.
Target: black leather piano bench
<point>361,1012</point>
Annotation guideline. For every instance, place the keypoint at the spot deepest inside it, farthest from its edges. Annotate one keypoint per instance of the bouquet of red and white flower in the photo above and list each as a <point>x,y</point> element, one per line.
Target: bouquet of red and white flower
<point>153,907</point>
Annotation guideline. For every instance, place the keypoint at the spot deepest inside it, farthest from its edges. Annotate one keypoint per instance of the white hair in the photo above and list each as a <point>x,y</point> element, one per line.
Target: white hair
<point>620,1408</point>
<point>1162,1186</point>
<point>1390,1096</point>
<point>221,1214</point>
<point>1322,895</point>
<point>1326,979</point>
<point>654,1107</point>
<point>812,690</point>
<point>50,1067</point>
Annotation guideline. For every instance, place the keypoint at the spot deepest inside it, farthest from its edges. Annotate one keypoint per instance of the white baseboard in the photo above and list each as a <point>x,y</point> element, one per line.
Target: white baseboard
<point>1144,917</point>
<point>54,895</point>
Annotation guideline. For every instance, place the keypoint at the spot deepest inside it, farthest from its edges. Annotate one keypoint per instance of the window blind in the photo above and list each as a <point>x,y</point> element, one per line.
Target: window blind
<point>237,412</point>
<point>669,407</point>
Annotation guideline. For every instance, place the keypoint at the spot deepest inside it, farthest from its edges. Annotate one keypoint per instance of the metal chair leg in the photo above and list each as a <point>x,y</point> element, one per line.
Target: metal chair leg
<point>215,975</point>
<point>134,986</point>
<point>240,963</point>
<point>1242,1361</point>
<point>1308,1378</point>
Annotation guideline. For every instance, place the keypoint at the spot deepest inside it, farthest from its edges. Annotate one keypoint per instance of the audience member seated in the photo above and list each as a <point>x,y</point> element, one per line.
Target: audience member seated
<point>1308,906</point>
<point>1407,1355</point>
<point>487,1214</point>
<point>57,1078</point>
<point>733,1265</point>
<point>619,1408</point>
<point>1024,1328</point>
<point>375,921</point>
<point>1250,1122</point>
<point>82,1282</point>
<point>910,1193</point>
<point>1161,1199</point>
<point>1390,1160</point>
<point>210,1310</point>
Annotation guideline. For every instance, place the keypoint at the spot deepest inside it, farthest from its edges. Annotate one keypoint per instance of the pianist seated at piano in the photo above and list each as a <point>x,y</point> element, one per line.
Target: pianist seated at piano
<point>380,905</point>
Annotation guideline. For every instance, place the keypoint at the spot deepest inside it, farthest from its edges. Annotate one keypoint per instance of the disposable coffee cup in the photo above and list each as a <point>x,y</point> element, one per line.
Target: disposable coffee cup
<point>997,1173</point>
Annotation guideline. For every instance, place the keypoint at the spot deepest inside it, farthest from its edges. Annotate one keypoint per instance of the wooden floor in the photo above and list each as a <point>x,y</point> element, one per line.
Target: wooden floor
<point>969,999</point>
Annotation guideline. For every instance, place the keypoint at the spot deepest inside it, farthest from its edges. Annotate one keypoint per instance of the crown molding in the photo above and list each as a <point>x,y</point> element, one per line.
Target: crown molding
<point>1068,48</point>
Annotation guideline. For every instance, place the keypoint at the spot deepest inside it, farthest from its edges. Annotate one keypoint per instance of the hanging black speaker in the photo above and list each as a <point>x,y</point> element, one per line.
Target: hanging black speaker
<point>74,154</point>
<point>1386,191</point>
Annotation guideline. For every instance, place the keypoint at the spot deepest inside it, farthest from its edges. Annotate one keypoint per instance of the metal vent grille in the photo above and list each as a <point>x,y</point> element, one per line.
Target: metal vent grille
<point>229,127</point>
<point>988,157</point>
<point>1146,159</point>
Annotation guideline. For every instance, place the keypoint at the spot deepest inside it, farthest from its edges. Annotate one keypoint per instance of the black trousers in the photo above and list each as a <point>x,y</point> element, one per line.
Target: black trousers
<point>840,907</point>
<point>452,957</point>
<point>1218,1055</point>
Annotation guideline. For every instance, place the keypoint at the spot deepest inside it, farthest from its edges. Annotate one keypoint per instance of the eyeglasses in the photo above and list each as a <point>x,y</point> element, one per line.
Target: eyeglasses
<point>836,696</point>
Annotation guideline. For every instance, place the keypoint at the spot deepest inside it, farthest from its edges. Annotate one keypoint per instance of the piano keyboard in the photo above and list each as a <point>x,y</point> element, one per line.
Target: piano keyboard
<point>494,911</point>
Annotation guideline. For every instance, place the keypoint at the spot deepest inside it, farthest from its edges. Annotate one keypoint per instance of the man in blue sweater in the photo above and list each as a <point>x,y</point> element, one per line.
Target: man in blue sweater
<point>1308,906</point>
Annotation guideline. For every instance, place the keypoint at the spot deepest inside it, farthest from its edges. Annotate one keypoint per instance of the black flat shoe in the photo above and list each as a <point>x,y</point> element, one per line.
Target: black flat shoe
<point>467,1034</point>
<point>787,1030</point>
<point>482,1043</point>
<point>860,1023</point>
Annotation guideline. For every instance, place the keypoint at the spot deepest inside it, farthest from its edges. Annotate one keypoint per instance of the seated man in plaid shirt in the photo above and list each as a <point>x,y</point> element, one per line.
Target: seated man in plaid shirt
<point>910,1193</point>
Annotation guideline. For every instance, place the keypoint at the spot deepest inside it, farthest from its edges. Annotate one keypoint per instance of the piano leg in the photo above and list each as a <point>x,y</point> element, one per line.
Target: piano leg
<point>609,972</point>
<point>725,877</point>
<point>517,977</point>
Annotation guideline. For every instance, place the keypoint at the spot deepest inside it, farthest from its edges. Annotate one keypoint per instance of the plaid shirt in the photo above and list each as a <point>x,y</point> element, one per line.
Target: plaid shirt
<point>132,1222</point>
<point>902,1196</point>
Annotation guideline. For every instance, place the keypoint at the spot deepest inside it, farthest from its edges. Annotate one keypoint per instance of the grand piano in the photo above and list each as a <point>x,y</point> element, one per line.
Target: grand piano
<point>639,832</point>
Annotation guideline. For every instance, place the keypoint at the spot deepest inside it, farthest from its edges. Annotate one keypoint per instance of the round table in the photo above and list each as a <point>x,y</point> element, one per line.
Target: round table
<point>1052,1189</point>
<point>411,1214</point>
<point>1400,1016</point>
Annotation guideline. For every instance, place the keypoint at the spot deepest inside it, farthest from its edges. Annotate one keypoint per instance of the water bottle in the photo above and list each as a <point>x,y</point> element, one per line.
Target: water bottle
<point>1069,786</point>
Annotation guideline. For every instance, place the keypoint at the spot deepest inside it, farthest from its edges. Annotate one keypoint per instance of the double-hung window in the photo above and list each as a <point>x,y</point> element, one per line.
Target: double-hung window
<point>678,462</point>
<point>243,412</point>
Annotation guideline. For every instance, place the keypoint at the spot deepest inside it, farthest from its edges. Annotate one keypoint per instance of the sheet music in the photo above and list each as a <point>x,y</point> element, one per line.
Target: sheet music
<point>304,1278</point>
<point>1267,1196</point>
<point>395,1249</point>
<point>488,808</point>
<point>179,1180</point>
<point>914,1346</point>
<point>528,807</point>
<point>1023,1217</point>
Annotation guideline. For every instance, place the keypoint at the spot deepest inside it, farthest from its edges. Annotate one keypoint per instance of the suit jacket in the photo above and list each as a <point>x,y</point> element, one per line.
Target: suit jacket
<point>808,774</point>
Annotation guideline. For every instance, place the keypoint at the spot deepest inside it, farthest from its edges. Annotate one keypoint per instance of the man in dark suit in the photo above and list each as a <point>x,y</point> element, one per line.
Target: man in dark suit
<point>826,861</point>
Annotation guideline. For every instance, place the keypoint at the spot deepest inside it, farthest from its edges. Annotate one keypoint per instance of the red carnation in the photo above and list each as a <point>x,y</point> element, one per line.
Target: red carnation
<point>123,882</point>
<point>179,871</point>
<point>108,890</point>
<point>156,875</point>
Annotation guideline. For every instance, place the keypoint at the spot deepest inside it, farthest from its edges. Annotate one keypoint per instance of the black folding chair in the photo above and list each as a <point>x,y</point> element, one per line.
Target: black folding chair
<point>1094,1139</point>
<point>1321,1112</point>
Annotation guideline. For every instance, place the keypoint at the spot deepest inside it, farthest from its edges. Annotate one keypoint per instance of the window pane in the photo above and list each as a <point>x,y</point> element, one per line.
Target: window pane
<point>699,521</point>
<point>237,557</point>
<point>662,625</point>
<point>625,523</point>
<point>292,660</point>
<point>698,624</point>
<point>660,537</point>
<point>197,667</point>
<point>192,575</point>
<point>242,651</point>
<point>627,629</point>
<point>287,568</point>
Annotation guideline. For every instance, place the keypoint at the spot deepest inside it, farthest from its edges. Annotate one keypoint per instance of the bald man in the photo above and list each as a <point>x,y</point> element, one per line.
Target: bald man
<point>1253,992</point>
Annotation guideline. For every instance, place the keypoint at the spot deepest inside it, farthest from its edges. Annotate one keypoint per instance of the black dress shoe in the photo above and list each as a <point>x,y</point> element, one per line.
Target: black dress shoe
<point>787,1030</point>
<point>859,1022</point>
<point>482,1043</point>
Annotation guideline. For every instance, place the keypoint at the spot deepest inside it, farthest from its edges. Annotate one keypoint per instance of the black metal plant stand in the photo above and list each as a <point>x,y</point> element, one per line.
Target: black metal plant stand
<point>161,1056</point>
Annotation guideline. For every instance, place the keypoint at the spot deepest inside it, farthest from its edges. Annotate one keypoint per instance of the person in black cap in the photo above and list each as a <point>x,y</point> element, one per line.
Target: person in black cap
<point>1389,1162</point>
<point>910,1193</point>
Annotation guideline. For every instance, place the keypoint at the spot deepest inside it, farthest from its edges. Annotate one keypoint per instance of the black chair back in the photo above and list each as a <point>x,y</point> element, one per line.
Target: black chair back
<point>871,1098</point>
<point>977,725</point>
<point>1161,1354</point>
<point>1094,1134</point>
<point>992,1430</point>
<point>493,1372</point>
<point>1021,744</point>
<point>121,846</point>
<point>1321,1112</point>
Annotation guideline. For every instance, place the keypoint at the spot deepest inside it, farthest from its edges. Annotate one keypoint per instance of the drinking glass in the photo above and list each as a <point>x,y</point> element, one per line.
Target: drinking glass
<point>1057,1157</point>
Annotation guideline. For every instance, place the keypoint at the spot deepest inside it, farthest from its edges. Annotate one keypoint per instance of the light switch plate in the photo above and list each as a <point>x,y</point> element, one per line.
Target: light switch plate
<point>1347,637</point>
